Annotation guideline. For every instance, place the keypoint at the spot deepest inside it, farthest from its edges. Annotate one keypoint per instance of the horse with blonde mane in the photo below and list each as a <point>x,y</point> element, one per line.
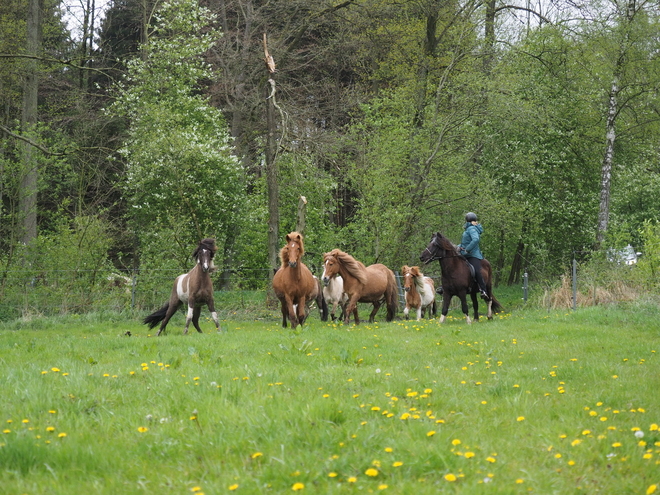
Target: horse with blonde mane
<point>293,283</point>
<point>373,284</point>
<point>419,290</point>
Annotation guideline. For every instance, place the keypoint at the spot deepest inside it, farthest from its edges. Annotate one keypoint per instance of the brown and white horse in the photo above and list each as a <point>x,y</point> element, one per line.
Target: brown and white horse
<point>372,284</point>
<point>293,283</point>
<point>194,288</point>
<point>420,292</point>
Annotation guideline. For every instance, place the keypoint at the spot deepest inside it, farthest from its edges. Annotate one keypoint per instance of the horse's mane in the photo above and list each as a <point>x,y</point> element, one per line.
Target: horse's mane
<point>284,252</point>
<point>445,243</point>
<point>418,278</point>
<point>352,266</point>
<point>207,243</point>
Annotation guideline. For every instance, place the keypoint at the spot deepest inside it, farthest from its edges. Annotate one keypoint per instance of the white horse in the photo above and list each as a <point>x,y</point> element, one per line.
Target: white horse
<point>420,292</point>
<point>333,293</point>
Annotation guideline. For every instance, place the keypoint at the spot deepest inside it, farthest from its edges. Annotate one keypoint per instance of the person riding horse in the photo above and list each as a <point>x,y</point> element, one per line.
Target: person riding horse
<point>469,248</point>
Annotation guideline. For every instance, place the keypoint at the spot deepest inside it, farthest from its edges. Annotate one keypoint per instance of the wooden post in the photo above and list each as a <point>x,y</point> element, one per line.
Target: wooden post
<point>302,205</point>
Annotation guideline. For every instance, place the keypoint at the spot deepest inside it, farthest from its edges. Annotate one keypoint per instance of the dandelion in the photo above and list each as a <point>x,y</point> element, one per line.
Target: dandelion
<point>371,472</point>
<point>351,479</point>
<point>450,477</point>
<point>586,432</point>
<point>195,489</point>
<point>651,489</point>
<point>520,481</point>
<point>297,487</point>
<point>233,487</point>
<point>388,449</point>
<point>469,455</point>
<point>520,418</point>
<point>455,442</point>
<point>61,435</point>
<point>382,487</point>
<point>397,464</point>
<point>430,433</point>
<point>491,459</point>
<point>616,444</point>
<point>142,429</point>
<point>256,455</point>
<point>575,442</point>
<point>332,474</point>
<point>639,434</point>
<point>50,428</point>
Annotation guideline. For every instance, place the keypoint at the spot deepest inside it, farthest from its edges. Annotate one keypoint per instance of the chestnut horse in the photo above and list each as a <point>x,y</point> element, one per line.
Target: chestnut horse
<point>420,292</point>
<point>457,278</point>
<point>373,284</point>
<point>293,283</point>
<point>194,288</point>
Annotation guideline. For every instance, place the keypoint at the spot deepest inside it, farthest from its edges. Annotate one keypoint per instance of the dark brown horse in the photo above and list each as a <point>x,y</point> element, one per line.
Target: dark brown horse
<point>194,288</point>
<point>372,284</point>
<point>293,283</point>
<point>457,279</point>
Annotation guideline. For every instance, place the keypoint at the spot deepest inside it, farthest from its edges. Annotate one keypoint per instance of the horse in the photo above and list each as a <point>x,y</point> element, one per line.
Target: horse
<point>293,283</point>
<point>333,293</point>
<point>194,288</point>
<point>420,292</point>
<point>457,277</point>
<point>373,284</point>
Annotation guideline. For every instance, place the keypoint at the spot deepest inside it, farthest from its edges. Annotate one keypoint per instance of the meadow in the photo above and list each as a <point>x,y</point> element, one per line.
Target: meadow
<point>534,401</point>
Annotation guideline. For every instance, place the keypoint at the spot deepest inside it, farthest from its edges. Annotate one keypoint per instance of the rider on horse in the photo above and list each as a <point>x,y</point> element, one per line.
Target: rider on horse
<point>469,247</point>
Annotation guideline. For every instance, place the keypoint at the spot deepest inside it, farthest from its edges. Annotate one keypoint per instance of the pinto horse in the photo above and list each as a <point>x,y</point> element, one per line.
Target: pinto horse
<point>293,283</point>
<point>333,293</point>
<point>457,278</point>
<point>194,288</point>
<point>420,292</point>
<point>373,284</point>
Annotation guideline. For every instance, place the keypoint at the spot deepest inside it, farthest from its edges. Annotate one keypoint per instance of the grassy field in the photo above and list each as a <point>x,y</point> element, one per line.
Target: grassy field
<point>533,401</point>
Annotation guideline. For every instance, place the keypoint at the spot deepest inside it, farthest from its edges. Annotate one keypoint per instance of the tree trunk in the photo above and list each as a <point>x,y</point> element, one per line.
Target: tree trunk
<point>302,206</point>
<point>29,179</point>
<point>271,167</point>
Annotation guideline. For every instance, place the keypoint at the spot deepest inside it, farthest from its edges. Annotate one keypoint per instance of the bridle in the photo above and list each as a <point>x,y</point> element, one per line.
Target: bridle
<point>436,256</point>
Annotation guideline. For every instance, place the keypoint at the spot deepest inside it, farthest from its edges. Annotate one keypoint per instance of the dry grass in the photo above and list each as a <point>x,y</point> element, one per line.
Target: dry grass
<point>594,295</point>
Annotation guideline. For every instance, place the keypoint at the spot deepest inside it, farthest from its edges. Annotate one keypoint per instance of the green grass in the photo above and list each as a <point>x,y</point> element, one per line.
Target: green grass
<point>547,402</point>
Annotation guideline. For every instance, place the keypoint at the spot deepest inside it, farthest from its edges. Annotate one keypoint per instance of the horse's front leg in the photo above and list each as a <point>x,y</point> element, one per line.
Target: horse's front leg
<point>446,299</point>
<point>419,313</point>
<point>351,307</point>
<point>302,311</point>
<point>214,315</point>
<point>285,311</point>
<point>292,310</point>
<point>475,305</point>
<point>189,317</point>
<point>406,310</point>
<point>464,307</point>
<point>197,310</point>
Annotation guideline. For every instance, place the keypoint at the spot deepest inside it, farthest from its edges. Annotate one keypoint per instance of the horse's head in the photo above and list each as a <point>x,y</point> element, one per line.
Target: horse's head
<point>330,267</point>
<point>204,254</point>
<point>439,247</point>
<point>294,249</point>
<point>407,279</point>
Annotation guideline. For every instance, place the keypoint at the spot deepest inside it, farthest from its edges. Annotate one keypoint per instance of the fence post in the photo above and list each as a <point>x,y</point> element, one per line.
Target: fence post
<point>525,285</point>
<point>574,283</point>
<point>133,289</point>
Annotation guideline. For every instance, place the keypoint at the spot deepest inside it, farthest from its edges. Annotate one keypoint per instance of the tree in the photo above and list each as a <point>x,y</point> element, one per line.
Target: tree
<point>182,181</point>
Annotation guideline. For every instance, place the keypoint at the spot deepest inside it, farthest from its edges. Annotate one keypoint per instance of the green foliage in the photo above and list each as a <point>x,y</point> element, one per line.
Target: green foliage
<point>182,181</point>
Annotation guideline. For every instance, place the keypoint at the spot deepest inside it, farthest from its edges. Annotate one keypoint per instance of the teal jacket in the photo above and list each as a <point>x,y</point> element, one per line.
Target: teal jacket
<point>470,241</point>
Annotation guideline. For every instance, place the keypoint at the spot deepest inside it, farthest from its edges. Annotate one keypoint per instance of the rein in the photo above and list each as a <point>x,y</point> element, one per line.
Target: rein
<point>437,257</point>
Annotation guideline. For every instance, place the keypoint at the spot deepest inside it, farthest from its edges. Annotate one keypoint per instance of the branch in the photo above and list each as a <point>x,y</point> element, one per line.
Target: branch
<point>531,11</point>
<point>70,63</point>
<point>30,142</point>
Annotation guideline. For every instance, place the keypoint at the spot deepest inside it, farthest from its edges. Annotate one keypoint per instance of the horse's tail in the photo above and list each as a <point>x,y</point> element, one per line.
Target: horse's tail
<point>496,306</point>
<point>156,317</point>
<point>391,296</point>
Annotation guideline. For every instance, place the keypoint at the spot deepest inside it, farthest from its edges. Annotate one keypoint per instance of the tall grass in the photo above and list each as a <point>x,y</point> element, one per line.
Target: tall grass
<point>547,402</point>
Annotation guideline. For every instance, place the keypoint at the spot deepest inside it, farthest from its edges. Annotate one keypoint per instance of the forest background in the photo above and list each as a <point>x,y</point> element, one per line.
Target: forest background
<point>132,129</point>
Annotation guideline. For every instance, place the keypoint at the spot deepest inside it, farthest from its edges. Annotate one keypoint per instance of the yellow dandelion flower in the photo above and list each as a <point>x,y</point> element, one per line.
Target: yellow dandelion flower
<point>389,449</point>
<point>616,444</point>
<point>55,369</point>
<point>519,481</point>
<point>256,455</point>
<point>196,489</point>
<point>351,479</point>
<point>371,472</point>
<point>491,459</point>
<point>233,487</point>
<point>575,442</point>
<point>61,435</point>
<point>430,433</point>
<point>397,464</point>
<point>50,428</point>
<point>571,463</point>
<point>586,432</point>
<point>469,455</point>
<point>298,486</point>
<point>450,477</point>
<point>651,489</point>
<point>455,442</point>
<point>382,487</point>
<point>332,474</point>
<point>142,429</point>
<point>520,418</point>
